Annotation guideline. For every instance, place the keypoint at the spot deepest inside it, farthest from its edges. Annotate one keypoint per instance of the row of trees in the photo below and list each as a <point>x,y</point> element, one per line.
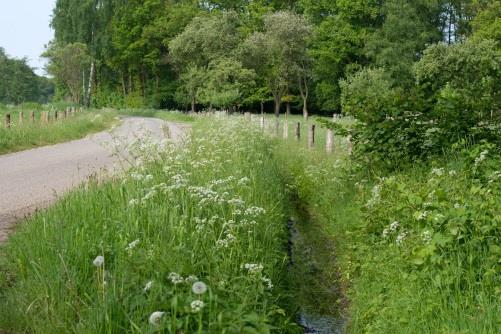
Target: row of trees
<point>18,82</point>
<point>221,53</point>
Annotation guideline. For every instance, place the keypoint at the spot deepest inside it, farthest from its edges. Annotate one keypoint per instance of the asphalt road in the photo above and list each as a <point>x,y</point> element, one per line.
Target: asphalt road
<point>32,179</point>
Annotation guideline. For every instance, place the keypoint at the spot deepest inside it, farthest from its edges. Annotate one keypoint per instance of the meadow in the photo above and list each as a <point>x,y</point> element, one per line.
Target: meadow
<point>27,134</point>
<point>194,239</point>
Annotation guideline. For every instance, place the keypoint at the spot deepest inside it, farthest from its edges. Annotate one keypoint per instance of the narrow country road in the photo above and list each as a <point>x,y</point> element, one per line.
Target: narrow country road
<point>32,179</point>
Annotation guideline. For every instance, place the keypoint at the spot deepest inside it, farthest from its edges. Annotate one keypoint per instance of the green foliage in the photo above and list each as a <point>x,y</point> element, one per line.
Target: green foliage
<point>417,250</point>
<point>19,82</point>
<point>67,64</point>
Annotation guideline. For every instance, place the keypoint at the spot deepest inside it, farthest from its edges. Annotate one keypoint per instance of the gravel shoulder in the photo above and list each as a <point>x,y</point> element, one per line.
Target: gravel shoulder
<point>33,179</point>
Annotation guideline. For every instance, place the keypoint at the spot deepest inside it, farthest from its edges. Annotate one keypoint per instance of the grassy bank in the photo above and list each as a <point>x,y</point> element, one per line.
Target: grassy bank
<point>418,250</point>
<point>212,211</point>
<point>29,135</point>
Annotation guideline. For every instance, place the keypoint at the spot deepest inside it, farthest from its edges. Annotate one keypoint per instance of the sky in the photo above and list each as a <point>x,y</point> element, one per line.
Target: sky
<point>24,29</point>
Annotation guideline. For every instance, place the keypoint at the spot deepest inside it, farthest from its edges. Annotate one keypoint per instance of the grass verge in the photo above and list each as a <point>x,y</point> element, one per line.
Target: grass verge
<point>29,135</point>
<point>124,256</point>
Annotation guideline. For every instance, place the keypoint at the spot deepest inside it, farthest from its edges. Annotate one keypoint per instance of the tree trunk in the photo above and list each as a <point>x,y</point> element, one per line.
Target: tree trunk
<point>262,108</point>
<point>278,103</point>
<point>193,105</point>
<point>89,85</point>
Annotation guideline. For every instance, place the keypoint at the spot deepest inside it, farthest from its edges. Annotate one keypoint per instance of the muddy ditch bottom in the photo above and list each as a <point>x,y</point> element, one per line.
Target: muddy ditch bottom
<point>314,279</point>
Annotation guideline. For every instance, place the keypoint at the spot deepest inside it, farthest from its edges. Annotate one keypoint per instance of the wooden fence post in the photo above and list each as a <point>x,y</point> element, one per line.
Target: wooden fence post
<point>311,136</point>
<point>277,126</point>
<point>298,131</point>
<point>7,121</point>
<point>286,128</point>
<point>262,122</point>
<point>32,117</point>
<point>56,115</point>
<point>329,143</point>
<point>21,117</point>
<point>350,145</point>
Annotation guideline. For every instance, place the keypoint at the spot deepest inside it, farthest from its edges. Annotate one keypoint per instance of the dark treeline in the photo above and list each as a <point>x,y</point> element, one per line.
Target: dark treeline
<point>236,54</point>
<point>19,83</point>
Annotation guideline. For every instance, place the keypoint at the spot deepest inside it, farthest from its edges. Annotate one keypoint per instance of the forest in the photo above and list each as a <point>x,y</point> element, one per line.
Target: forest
<point>20,84</point>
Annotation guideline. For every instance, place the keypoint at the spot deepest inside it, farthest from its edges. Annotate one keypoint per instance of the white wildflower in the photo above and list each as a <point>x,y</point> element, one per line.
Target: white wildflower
<point>156,317</point>
<point>268,283</point>
<point>243,181</point>
<point>148,286</point>
<point>400,238</point>
<point>132,245</point>
<point>394,226</point>
<point>426,236</point>
<point>452,173</point>
<point>133,202</point>
<point>98,261</point>
<point>438,171</point>
<point>199,288</point>
<point>481,157</point>
<point>253,268</point>
<point>191,278</point>
<point>197,305</point>
<point>385,233</point>
<point>176,278</point>
<point>423,215</point>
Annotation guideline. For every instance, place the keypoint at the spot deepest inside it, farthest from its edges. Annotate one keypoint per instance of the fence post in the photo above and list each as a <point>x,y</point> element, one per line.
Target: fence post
<point>329,143</point>
<point>277,126</point>
<point>7,121</point>
<point>56,115</point>
<point>350,145</point>
<point>286,128</point>
<point>298,131</point>
<point>262,122</point>
<point>32,117</point>
<point>311,136</point>
<point>21,117</point>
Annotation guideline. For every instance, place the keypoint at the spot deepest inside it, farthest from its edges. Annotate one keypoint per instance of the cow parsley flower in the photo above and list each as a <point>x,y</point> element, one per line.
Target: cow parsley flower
<point>98,261</point>
<point>199,288</point>
<point>148,286</point>
<point>132,245</point>
<point>268,283</point>
<point>176,278</point>
<point>253,268</point>
<point>400,238</point>
<point>426,236</point>
<point>197,305</point>
<point>155,318</point>
<point>394,225</point>
<point>191,278</point>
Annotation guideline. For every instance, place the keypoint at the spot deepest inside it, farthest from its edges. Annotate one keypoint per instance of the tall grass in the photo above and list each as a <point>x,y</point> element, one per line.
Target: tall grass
<point>29,135</point>
<point>417,250</point>
<point>211,210</point>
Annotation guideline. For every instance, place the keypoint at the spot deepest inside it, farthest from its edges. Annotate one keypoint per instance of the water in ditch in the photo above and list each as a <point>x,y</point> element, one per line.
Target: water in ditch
<point>315,280</point>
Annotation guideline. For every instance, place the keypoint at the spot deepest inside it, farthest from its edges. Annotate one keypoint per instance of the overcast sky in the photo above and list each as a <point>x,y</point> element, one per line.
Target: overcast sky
<point>24,29</point>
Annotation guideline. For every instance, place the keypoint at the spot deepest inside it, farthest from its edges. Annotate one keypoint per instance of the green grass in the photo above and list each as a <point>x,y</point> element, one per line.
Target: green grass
<point>166,115</point>
<point>436,271</point>
<point>29,135</point>
<point>448,283</point>
<point>206,209</point>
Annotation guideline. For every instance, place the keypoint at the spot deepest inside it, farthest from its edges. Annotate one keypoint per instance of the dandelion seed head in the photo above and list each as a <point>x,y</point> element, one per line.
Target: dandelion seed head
<point>199,288</point>
<point>156,317</point>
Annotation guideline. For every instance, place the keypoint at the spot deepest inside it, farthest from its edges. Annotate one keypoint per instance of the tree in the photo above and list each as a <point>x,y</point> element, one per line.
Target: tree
<point>226,83</point>
<point>205,40</point>
<point>67,64</point>
<point>277,54</point>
